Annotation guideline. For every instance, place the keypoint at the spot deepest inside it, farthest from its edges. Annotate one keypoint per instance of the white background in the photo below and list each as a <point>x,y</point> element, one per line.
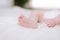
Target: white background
<point>45,3</point>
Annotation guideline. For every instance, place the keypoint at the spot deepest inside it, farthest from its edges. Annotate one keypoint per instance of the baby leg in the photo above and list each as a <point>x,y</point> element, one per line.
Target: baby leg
<point>34,16</point>
<point>38,16</point>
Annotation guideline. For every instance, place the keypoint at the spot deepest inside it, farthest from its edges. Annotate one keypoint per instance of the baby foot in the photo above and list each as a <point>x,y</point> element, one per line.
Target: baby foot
<point>25,22</point>
<point>50,22</point>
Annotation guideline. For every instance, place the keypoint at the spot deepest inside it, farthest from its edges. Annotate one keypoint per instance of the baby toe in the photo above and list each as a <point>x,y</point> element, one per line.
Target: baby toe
<point>20,19</point>
<point>51,25</point>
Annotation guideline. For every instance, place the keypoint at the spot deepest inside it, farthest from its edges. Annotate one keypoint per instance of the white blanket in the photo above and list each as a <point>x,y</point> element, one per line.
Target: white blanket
<point>10,30</point>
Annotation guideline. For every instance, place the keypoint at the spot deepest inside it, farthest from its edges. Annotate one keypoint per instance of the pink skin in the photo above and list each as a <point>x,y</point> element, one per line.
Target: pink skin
<point>32,21</point>
<point>40,17</point>
<point>57,19</point>
<point>25,22</point>
<point>52,22</point>
<point>36,15</point>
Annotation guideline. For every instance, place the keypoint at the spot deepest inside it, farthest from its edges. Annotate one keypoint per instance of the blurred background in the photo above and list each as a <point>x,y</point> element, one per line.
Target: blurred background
<point>22,3</point>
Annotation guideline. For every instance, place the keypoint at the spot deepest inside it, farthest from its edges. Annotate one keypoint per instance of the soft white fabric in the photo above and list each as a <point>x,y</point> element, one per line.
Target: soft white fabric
<point>10,30</point>
<point>46,4</point>
<point>51,13</point>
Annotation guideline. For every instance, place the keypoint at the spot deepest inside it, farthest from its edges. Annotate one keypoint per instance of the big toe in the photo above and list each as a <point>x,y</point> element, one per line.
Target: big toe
<point>21,17</point>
